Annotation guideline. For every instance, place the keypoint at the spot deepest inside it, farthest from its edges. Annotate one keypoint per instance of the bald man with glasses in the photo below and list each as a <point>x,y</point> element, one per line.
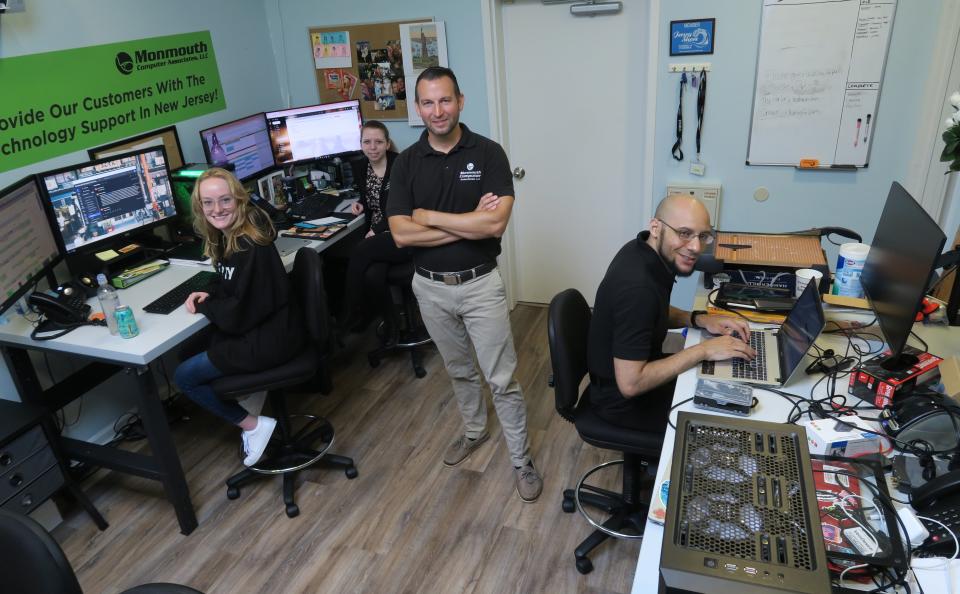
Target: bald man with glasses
<point>631,379</point>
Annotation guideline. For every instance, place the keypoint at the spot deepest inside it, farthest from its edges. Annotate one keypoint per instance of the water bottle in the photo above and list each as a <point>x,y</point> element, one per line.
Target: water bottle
<point>108,302</point>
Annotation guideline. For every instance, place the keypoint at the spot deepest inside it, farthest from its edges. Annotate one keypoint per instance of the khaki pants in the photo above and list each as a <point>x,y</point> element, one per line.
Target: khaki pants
<point>476,313</point>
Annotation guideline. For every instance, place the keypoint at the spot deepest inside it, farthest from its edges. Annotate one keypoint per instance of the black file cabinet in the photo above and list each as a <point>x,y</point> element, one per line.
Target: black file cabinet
<point>29,472</point>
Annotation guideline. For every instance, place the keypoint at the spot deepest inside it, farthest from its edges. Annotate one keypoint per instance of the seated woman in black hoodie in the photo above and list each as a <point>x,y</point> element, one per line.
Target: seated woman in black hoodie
<point>255,322</point>
<point>372,257</point>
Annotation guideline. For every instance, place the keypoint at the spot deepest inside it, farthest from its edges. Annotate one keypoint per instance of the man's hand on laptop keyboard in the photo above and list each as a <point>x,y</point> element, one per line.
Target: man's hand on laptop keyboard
<point>725,326</point>
<point>722,348</point>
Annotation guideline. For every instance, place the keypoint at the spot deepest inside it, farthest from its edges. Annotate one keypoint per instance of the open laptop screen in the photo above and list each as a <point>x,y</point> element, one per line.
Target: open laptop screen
<point>801,328</point>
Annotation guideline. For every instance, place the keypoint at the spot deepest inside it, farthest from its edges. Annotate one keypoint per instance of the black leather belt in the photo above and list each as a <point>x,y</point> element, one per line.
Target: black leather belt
<point>456,278</point>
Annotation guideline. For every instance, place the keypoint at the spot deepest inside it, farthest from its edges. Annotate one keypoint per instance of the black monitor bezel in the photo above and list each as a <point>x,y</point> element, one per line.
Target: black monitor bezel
<point>209,160</point>
<point>312,159</point>
<point>159,133</point>
<point>51,224</point>
<point>98,245</point>
<point>884,322</point>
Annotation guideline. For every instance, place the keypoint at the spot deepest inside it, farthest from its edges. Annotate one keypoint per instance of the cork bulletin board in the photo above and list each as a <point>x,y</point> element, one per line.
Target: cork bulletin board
<point>375,73</point>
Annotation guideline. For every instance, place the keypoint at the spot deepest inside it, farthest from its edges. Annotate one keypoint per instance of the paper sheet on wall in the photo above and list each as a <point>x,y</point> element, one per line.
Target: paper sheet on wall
<point>331,50</point>
<point>423,45</point>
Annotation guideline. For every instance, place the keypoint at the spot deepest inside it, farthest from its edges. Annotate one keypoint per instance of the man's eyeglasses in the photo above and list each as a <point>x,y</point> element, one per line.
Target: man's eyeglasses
<point>687,235</point>
<point>225,202</point>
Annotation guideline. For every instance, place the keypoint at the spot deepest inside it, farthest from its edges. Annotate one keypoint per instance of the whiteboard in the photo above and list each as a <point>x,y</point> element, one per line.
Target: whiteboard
<point>819,73</point>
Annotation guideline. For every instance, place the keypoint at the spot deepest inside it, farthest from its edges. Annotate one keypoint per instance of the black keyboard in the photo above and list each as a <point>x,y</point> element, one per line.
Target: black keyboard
<point>314,207</point>
<point>756,369</point>
<point>175,297</point>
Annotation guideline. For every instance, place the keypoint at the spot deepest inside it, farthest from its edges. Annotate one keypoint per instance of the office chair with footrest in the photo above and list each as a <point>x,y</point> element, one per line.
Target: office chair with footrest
<point>32,562</point>
<point>293,448</point>
<point>411,334</point>
<point>568,327</point>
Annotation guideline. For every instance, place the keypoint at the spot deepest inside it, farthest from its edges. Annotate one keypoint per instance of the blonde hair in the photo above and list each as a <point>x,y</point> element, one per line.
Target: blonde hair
<point>249,221</point>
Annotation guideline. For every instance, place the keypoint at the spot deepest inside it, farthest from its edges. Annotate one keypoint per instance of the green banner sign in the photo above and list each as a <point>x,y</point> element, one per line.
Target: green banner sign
<point>59,102</point>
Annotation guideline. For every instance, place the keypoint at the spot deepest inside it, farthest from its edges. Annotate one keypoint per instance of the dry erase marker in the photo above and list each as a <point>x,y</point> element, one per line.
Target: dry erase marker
<point>866,129</point>
<point>856,136</point>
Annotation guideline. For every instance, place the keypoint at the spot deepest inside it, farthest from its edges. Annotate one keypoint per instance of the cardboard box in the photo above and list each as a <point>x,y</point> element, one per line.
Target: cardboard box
<point>878,386</point>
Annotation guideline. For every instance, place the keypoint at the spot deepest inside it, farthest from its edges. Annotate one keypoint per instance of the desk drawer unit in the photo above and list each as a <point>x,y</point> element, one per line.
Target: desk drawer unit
<point>28,472</point>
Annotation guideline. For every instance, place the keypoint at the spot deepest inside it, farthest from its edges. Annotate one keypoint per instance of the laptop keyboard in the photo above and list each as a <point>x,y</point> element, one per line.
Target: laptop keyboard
<point>176,296</point>
<point>756,369</point>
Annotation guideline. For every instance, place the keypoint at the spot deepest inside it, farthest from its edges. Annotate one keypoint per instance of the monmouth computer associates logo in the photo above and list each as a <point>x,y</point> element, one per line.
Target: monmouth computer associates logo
<point>124,63</point>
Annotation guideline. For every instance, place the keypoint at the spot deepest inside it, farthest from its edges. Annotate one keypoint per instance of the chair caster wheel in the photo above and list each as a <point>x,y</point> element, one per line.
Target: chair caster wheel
<point>584,565</point>
<point>373,361</point>
<point>292,510</point>
<point>569,505</point>
<point>233,492</point>
<point>420,372</point>
<point>351,472</point>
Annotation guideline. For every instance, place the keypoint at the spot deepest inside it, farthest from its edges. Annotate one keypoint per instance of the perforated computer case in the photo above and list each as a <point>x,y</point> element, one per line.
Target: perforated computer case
<point>742,515</point>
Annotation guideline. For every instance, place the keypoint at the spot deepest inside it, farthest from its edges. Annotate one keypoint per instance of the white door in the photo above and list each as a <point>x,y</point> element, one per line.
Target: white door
<point>575,108</point>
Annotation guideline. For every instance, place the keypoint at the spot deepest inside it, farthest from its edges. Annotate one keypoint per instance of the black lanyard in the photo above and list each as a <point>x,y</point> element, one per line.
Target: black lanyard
<point>701,104</point>
<point>677,151</point>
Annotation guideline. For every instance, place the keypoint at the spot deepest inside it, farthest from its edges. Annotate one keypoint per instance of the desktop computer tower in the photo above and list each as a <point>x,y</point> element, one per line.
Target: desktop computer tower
<point>742,514</point>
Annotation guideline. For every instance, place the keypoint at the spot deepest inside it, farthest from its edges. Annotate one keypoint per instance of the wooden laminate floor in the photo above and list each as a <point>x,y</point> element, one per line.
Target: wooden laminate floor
<point>406,524</point>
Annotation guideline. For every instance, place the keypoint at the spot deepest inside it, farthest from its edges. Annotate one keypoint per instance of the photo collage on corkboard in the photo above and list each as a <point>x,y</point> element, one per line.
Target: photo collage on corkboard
<point>372,71</point>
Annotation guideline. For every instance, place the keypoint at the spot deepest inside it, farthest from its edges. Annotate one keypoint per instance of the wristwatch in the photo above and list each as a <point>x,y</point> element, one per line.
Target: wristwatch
<point>693,318</point>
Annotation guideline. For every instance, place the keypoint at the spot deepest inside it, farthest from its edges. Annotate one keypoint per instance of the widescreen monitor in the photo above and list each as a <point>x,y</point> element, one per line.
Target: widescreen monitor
<point>895,276</point>
<point>244,143</point>
<point>316,132</point>
<point>28,248</point>
<point>98,201</point>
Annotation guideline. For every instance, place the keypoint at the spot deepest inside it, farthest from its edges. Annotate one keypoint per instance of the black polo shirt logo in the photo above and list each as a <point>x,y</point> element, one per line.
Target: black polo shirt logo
<point>470,174</point>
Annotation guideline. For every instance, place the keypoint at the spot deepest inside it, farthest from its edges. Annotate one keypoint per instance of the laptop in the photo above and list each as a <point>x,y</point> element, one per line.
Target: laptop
<point>780,351</point>
<point>288,245</point>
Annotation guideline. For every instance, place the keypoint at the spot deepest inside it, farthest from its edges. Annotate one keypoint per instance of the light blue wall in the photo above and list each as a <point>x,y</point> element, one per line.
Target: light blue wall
<point>244,55</point>
<point>798,199</point>
<point>247,72</point>
<point>289,21</point>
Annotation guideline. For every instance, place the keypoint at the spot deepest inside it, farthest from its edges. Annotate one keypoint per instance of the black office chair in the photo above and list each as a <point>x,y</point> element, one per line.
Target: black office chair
<point>32,562</point>
<point>568,327</point>
<point>291,451</point>
<point>411,332</point>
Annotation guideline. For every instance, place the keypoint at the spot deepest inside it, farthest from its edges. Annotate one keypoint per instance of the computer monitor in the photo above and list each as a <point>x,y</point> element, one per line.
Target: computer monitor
<point>244,143</point>
<point>28,248</point>
<point>895,276</point>
<point>96,202</point>
<point>316,132</point>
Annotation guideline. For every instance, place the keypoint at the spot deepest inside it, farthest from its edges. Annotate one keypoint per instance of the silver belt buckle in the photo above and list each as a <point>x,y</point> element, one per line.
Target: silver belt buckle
<point>451,279</point>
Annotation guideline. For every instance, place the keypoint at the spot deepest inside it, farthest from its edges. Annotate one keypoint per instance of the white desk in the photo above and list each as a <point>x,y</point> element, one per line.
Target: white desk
<point>771,407</point>
<point>108,354</point>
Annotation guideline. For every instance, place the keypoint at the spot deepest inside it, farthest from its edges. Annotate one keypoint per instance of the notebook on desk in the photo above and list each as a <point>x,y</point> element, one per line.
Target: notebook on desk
<point>779,352</point>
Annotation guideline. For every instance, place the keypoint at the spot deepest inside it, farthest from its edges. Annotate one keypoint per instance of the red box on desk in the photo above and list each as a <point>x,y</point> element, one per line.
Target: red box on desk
<point>879,386</point>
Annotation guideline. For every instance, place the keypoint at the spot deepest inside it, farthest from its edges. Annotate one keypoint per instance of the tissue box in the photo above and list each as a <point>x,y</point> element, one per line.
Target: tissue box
<point>829,437</point>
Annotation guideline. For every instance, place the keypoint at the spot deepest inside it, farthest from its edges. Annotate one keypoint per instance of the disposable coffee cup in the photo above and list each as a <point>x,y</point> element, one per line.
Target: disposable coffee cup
<point>804,276</point>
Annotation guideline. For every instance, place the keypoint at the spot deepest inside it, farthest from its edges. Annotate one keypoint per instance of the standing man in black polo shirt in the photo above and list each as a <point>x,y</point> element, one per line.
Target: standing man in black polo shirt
<point>631,380</point>
<point>451,195</point>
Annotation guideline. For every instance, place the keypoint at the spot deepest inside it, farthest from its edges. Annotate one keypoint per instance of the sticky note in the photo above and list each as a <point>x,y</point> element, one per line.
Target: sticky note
<point>107,255</point>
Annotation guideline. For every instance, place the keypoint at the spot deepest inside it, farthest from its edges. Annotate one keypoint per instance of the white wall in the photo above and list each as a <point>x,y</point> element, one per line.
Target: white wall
<point>798,199</point>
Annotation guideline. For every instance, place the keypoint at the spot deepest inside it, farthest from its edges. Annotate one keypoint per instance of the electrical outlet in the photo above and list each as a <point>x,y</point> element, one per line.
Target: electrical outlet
<point>707,194</point>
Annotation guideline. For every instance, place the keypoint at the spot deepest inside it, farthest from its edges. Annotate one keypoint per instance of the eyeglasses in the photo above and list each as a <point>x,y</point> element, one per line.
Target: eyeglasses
<point>687,235</point>
<point>225,203</point>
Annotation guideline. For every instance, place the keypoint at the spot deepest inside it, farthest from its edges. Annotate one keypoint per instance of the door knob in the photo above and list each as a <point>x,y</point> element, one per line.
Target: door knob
<point>519,172</point>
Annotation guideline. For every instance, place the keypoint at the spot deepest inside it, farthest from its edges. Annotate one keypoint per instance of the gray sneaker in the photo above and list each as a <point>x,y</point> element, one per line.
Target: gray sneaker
<point>529,483</point>
<point>462,447</point>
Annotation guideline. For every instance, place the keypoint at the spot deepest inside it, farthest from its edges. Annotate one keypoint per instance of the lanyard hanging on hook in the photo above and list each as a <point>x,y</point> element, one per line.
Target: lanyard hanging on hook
<point>676,150</point>
<point>698,168</point>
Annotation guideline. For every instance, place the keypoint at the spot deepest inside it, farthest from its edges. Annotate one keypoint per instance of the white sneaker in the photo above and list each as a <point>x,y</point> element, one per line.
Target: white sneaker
<point>255,441</point>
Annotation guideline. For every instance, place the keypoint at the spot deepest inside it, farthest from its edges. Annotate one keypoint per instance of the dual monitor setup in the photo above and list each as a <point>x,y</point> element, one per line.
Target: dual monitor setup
<point>81,212</point>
